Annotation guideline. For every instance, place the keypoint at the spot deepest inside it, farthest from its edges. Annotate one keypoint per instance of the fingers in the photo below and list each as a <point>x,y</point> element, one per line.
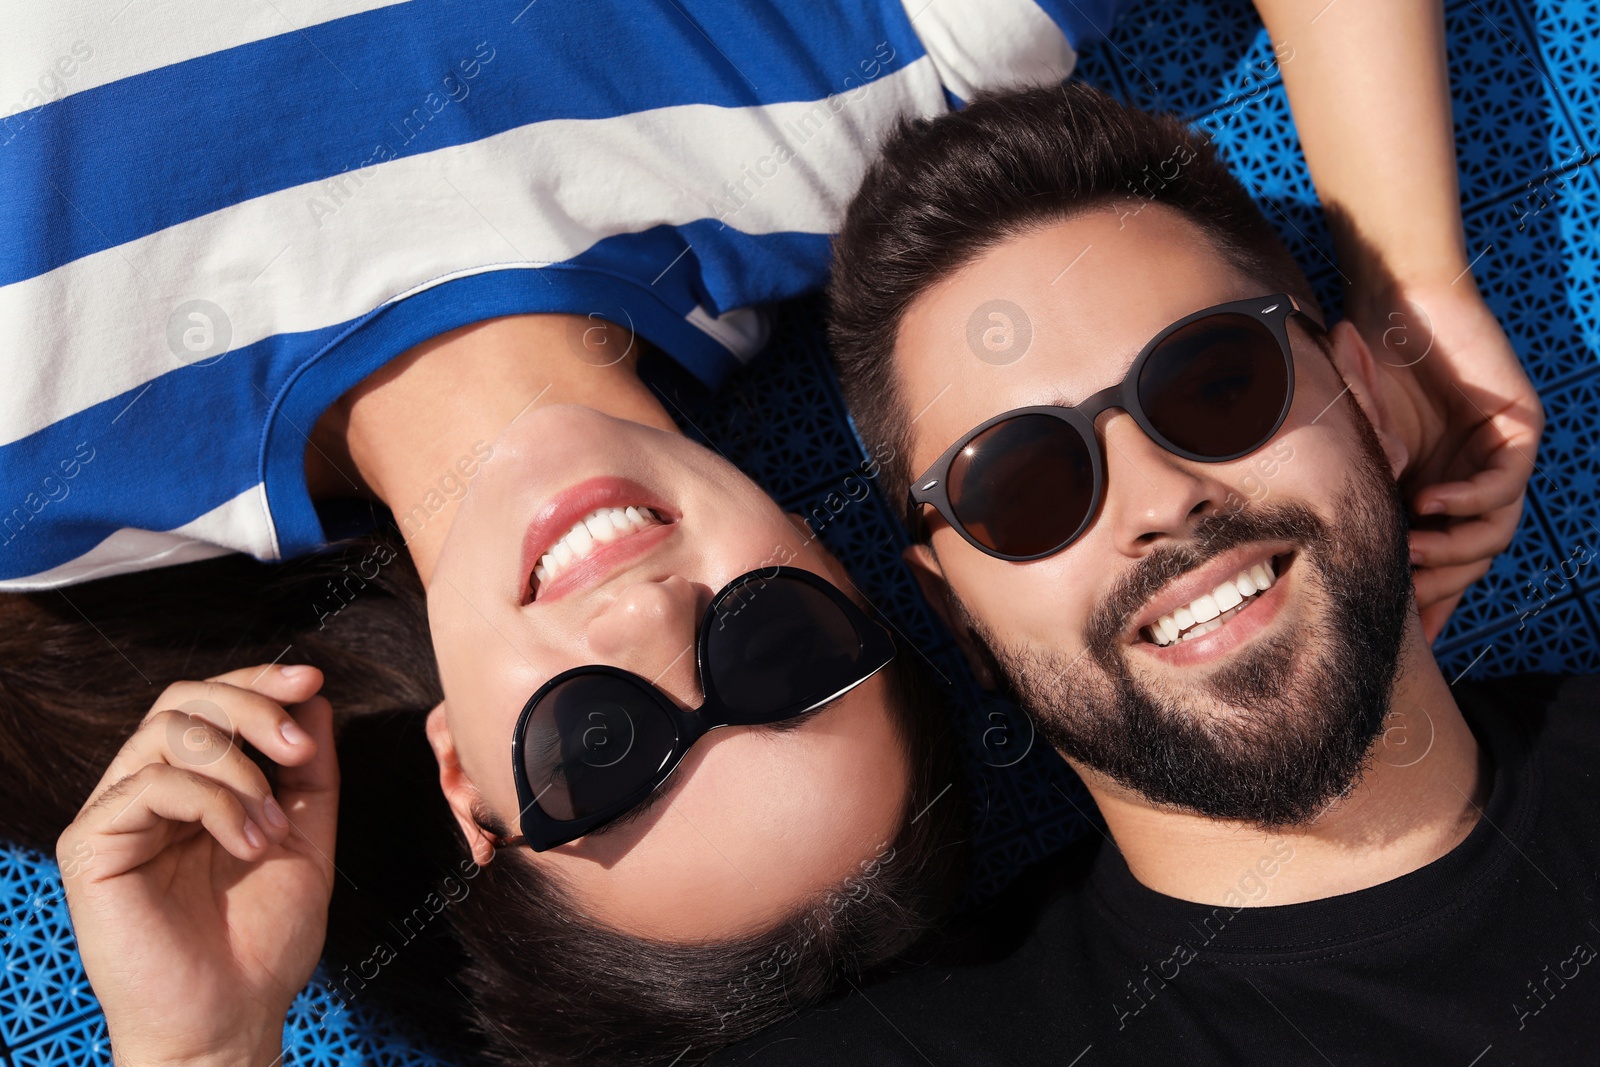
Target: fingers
<point>309,792</point>
<point>1500,450</point>
<point>258,718</point>
<point>1466,541</point>
<point>285,683</point>
<point>187,742</point>
<point>196,725</point>
<point>1437,584</point>
<point>1503,480</point>
<point>141,814</point>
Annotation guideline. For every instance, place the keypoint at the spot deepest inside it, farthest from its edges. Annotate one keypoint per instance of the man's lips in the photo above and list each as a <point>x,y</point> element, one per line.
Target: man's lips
<point>564,510</point>
<point>1197,583</point>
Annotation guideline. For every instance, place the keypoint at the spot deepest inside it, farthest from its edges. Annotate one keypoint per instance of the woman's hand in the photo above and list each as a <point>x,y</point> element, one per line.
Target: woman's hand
<point>1476,418</point>
<point>199,901</point>
<point>1368,84</point>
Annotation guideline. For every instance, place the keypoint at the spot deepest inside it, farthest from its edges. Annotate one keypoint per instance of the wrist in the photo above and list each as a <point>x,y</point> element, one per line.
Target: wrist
<point>265,1050</point>
<point>1423,257</point>
<point>1373,298</point>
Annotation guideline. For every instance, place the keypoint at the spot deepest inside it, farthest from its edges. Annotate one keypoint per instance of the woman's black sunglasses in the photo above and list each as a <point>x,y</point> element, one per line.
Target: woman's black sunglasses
<point>594,742</point>
<point>1214,386</point>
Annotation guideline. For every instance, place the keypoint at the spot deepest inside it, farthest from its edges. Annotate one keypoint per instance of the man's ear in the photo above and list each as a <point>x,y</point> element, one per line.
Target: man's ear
<point>930,576</point>
<point>1354,361</point>
<point>459,792</point>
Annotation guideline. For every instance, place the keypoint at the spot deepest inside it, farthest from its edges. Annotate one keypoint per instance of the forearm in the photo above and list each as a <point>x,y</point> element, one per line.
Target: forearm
<point>1369,88</point>
<point>1370,92</point>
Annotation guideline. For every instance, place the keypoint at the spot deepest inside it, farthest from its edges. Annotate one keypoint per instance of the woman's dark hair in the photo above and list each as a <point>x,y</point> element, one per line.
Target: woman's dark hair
<point>947,189</point>
<point>498,961</point>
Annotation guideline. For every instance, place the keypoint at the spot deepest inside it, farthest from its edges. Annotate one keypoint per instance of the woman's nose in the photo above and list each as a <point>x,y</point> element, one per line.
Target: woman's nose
<point>650,629</point>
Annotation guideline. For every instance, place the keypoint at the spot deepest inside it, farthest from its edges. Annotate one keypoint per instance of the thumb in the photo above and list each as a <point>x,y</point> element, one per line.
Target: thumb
<point>309,793</point>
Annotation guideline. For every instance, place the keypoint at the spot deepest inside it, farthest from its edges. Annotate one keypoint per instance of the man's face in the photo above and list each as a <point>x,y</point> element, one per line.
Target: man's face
<point>1264,715</point>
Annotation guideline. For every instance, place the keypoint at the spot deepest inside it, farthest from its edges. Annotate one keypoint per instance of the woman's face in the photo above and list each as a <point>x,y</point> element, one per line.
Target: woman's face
<point>755,821</point>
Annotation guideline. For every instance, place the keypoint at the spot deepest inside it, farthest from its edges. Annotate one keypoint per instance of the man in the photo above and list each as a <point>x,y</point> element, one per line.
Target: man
<point>1197,581</point>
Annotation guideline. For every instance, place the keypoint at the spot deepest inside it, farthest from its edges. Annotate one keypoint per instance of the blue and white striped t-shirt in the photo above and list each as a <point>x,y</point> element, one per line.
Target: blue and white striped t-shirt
<point>219,217</point>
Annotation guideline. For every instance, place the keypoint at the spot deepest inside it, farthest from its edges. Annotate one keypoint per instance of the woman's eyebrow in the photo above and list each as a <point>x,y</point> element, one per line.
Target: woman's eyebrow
<point>784,726</point>
<point>657,796</point>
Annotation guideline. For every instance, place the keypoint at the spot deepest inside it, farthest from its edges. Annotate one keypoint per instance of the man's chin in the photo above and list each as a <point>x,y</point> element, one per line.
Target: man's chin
<point>1262,814</point>
<point>1270,739</point>
<point>1252,700</point>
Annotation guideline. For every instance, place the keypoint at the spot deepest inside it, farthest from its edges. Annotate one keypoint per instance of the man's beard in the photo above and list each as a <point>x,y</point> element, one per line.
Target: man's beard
<point>1290,718</point>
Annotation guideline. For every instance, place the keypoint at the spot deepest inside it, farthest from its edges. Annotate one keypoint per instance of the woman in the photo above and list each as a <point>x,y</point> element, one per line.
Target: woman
<point>776,855</point>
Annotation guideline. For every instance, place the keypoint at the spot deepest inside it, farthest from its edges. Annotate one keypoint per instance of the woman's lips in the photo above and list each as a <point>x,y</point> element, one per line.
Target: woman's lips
<point>603,562</point>
<point>561,512</point>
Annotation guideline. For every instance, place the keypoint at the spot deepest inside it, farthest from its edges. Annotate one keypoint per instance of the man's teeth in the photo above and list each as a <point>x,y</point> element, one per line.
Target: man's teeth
<point>1209,612</point>
<point>596,528</point>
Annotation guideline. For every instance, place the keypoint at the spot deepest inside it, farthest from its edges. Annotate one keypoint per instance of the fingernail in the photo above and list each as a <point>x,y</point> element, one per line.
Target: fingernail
<point>1432,507</point>
<point>274,814</point>
<point>252,834</point>
<point>1416,558</point>
<point>293,734</point>
<point>295,670</point>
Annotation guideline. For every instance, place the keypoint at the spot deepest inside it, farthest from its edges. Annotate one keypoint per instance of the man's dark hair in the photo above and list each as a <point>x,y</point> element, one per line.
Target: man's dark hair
<point>947,189</point>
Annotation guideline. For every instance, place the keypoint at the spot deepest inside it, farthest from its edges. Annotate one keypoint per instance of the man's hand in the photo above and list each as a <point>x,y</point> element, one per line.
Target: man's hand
<point>198,899</point>
<point>1474,421</point>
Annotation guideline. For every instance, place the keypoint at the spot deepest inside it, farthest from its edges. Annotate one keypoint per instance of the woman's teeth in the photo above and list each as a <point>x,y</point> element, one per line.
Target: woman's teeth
<point>596,528</point>
<point>1209,612</point>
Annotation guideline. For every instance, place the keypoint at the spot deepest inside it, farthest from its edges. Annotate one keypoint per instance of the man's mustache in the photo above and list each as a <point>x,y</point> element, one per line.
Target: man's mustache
<point>1215,534</point>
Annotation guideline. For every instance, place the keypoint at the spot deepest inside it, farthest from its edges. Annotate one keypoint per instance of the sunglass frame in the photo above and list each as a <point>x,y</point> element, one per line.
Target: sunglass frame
<point>1272,310</point>
<point>542,832</point>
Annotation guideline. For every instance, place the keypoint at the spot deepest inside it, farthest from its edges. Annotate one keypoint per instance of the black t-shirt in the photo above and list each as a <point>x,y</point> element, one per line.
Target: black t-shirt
<point>1484,958</point>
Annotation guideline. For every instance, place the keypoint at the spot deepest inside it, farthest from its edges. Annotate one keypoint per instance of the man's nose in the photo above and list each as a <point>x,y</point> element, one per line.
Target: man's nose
<point>1152,494</point>
<point>650,629</point>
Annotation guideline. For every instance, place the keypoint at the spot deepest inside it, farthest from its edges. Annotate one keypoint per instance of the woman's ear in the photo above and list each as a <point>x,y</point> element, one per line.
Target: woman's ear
<point>459,792</point>
<point>1374,393</point>
<point>930,577</point>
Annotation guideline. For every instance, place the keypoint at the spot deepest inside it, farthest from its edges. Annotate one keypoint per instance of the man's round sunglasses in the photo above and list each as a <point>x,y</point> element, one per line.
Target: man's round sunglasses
<point>593,743</point>
<point>1213,386</point>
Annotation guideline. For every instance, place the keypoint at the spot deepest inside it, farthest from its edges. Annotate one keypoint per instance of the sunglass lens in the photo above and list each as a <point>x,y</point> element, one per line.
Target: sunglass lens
<point>593,741</point>
<point>1024,486</point>
<point>1216,386</point>
<point>778,646</point>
